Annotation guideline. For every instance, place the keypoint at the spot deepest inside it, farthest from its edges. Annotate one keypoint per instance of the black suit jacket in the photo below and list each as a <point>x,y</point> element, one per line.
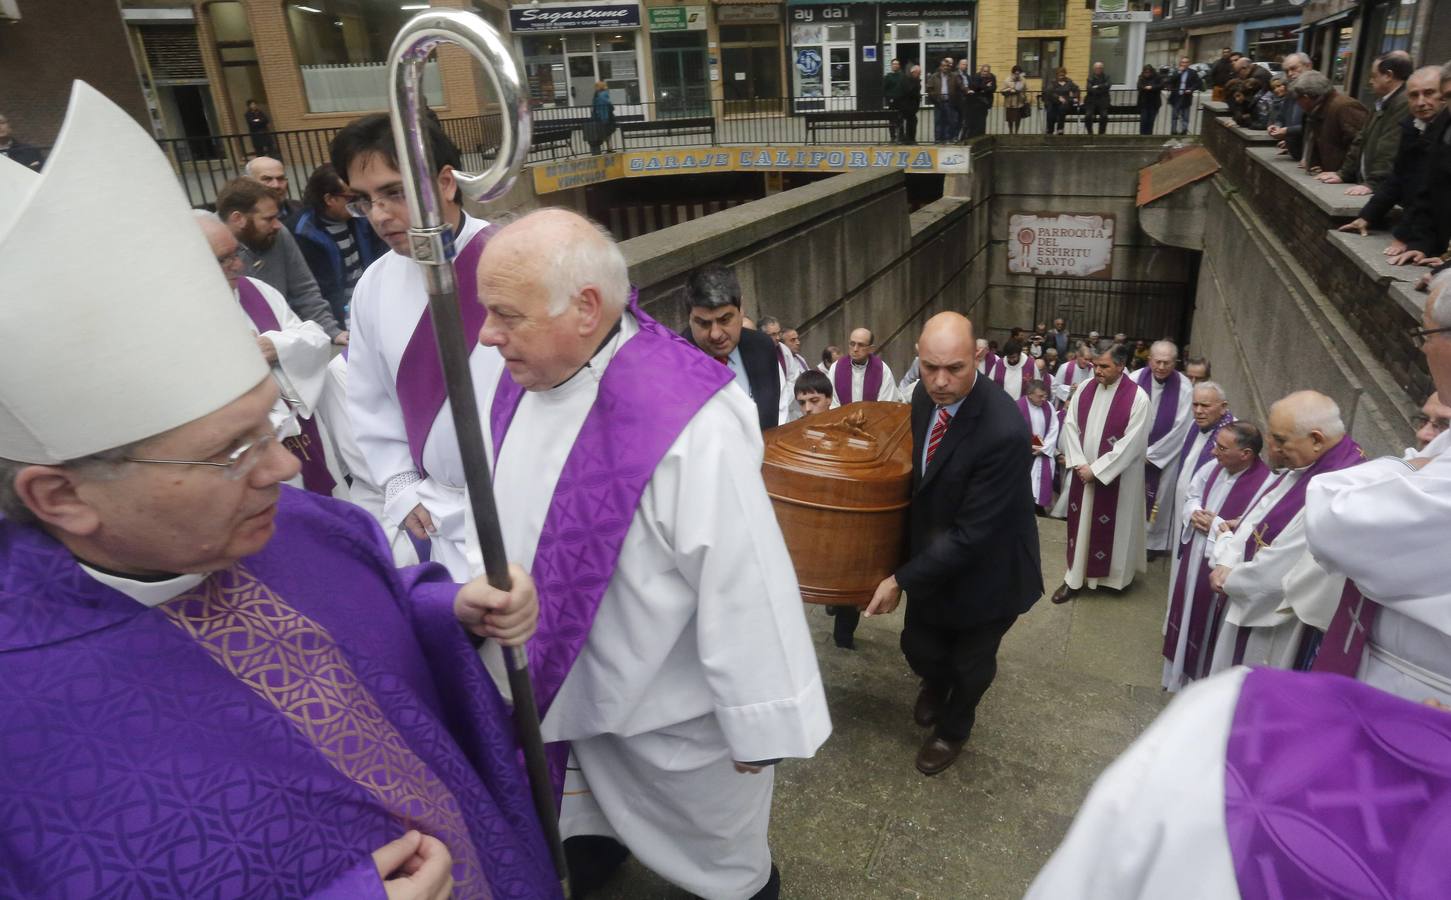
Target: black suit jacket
<point>763,372</point>
<point>1177,97</point>
<point>973,553</point>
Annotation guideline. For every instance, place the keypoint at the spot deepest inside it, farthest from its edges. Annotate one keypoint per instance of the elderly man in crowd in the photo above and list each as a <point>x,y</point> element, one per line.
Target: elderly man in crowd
<point>1332,121</point>
<point>1280,601</point>
<point>273,176</point>
<point>1428,209</point>
<point>669,600</point>
<point>1171,413</point>
<point>1373,152</point>
<point>1289,130</point>
<point>1209,409</point>
<point>1383,525</point>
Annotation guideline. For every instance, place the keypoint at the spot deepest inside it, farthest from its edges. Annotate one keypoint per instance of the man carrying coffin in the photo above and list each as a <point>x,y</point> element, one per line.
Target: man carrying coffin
<point>1170,395</point>
<point>1220,492</point>
<point>861,374</point>
<point>1103,439</point>
<point>298,353</point>
<point>1383,524</point>
<point>1211,413</point>
<point>213,684</point>
<point>397,403</point>
<point>1280,600</point>
<point>1014,370</point>
<point>673,662</point>
<point>1042,421</point>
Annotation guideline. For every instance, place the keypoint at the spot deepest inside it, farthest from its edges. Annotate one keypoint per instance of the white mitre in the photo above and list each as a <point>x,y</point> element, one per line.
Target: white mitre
<point>107,341</point>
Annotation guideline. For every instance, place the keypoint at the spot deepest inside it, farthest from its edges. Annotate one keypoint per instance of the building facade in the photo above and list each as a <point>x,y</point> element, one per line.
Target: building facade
<point>1200,29</point>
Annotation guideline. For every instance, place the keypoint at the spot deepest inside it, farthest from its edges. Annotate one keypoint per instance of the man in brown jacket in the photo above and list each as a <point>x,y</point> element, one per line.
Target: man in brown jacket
<point>945,92</point>
<point>1332,120</point>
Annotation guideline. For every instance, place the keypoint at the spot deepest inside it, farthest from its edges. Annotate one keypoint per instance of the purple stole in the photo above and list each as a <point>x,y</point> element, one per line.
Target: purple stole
<point>1163,424</point>
<point>781,359</point>
<point>1000,374</point>
<point>1105,496</point>
<point>1343,455</point>
<point>1043,482</point>
<point>306,446</point>
<point>421,391</point>
<point>1335,789</point>
<point>871,384</point>
<point>1207,607</point>
<point>1344,644</point>
<point>1073,377</point>
<point>625,435</point>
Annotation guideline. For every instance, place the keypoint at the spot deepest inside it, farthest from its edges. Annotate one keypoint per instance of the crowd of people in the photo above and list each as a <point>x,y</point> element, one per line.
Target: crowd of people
<point>247,625</point>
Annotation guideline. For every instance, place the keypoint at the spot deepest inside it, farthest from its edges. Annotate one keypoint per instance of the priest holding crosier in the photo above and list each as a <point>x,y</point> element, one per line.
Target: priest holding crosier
<point>673,664</point>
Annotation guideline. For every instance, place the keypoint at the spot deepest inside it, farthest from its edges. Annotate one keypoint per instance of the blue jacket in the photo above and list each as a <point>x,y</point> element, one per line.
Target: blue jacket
<point>323,258</point>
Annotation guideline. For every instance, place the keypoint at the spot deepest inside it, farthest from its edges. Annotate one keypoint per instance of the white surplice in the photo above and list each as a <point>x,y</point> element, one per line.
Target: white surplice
<point>1384,525</point>
<point>1198,547</point>
<point>303,351</point>
<point>699,653</point>
<point>343,449</point>
<point>1163,454</point>
<point>888,390</point>
<point>1153,825</point>
<point>1043,423</point>
<point>1069,374</point>
<point>1171,500</point>
<point>387,303</point>
<point>1124,462</point>
<point>1013,375</point>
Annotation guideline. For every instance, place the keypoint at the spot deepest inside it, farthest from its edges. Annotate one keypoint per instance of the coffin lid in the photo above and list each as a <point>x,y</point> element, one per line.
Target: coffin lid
<point>855,455</point>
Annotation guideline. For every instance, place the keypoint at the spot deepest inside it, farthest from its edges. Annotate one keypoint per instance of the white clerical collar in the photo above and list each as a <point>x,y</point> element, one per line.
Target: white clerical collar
<point>147,593</point>
<point>594,370</point>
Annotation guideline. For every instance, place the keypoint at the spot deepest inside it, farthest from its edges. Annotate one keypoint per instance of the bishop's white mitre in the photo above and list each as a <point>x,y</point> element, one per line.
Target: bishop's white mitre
<point>127,333</point>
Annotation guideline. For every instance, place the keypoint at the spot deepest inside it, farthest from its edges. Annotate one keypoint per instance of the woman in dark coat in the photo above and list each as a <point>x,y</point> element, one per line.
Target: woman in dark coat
<point>1060,98</point>
<point>1151,99</point>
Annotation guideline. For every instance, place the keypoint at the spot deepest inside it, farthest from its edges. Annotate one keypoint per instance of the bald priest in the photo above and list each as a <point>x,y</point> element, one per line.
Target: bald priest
<point>213,685</point>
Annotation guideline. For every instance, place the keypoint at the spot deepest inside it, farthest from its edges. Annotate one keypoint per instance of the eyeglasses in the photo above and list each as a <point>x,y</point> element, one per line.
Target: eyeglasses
<point>1421,420</point>
<point>359,208</point>
<point>1418,335</point>
<point>244,457</point>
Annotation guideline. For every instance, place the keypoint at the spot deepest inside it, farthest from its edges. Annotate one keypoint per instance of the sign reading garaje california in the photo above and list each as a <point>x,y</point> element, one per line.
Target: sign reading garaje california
<point>1060,244</point>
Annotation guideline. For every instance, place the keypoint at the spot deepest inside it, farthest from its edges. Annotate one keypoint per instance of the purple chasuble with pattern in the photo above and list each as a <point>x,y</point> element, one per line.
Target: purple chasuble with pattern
<point>306,446</point>
<point>1042,474</point>
<point>871,381</point>
<point>1207,607</point>
<point>1105,496</point>
<point>421,390</point>
<point>258,735</point>
<point>1343,455</point>
<point>1164,418</point>
<point>626,433</point>
<point>1335,789</point>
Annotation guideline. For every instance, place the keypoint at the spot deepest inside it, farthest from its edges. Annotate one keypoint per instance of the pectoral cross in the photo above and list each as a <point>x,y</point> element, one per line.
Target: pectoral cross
<point>298,444</point>
<point>1355,625</point>
<point>1259,535</point>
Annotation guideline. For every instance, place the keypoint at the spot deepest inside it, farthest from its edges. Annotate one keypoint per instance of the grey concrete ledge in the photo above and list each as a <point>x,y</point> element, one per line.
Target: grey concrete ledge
<point>935,216</point>
<point>1366,253</point>
<point>1248,135</point>
<point>1214,107</point>
<point>659,256</point>
<point>1328,198</point>
<point>1410,299</point>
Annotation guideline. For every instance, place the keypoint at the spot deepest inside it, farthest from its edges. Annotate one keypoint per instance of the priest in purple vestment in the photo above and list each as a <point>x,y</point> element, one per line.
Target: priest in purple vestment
<point>214,685</point>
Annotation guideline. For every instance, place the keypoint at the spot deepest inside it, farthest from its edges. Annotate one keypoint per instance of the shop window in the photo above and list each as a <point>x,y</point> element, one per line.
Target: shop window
<point>562,69</point>
<point>1041,15</point>
<point>751,68</point>
<point>342,49</point>
<point>1040,57</point>
<point>1110,46</point>
<point>1389,27</point>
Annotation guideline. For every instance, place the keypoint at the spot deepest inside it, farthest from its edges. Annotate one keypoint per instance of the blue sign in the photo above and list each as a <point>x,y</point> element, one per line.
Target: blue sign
<point>573,16</point>
<point>809,62</point>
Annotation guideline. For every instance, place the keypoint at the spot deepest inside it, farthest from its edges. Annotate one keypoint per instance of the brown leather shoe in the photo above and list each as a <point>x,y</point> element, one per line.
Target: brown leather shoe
<point>937,754</point>
<point>1064,594</point>
<point>928,706</point>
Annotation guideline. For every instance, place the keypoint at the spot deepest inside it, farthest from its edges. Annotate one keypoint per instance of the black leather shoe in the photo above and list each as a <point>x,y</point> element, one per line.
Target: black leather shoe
<point>928,706</point>
<point>937,754</point>
<point>1064,594</point>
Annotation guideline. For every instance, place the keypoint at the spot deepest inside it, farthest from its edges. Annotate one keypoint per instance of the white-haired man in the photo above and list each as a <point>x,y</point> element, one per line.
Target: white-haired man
<point>673,664</point>
<point>1075,369</point>
<point>1209,409</point>
<point>1280,600</point>
<point>1170,415</point>
<point>213,684</point>
<point>1382,524</point>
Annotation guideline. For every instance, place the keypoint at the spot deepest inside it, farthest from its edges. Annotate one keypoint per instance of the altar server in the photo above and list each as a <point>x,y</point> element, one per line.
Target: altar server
<point>213,684</point>
<point>1104,434</point>
<point>673,662</point>
<point>396,398</point>
<point>1170,415</point>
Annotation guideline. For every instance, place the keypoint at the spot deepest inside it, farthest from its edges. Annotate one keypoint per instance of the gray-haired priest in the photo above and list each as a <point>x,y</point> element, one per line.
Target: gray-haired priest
<point>673,662</point>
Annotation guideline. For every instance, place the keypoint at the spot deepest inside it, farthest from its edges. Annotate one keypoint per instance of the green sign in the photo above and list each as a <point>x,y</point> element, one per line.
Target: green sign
<point>677,18</point>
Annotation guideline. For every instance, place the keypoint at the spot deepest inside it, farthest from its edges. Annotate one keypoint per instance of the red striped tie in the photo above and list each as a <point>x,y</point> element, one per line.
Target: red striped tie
<point>939,428</point>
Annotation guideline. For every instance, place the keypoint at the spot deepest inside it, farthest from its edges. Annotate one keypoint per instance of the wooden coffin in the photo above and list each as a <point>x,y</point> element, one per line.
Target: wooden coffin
<point>841,482</point>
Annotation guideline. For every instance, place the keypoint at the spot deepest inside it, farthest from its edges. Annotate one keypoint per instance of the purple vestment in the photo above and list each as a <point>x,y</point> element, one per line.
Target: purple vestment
<point>1164,418</point>
<point>1207,607</point>
<point>1344,644</point>
<point>421,390</point>
<point>1027,372</point>
<point>1335,789</point>
<point>871,381</point>
<point>624,436</point>
<point>1343,455</point>
<point>1042,469</point>
<point>1105,496</point>
<point>306,446</point>
<point>1205,452</point>
<point>259,735</point>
